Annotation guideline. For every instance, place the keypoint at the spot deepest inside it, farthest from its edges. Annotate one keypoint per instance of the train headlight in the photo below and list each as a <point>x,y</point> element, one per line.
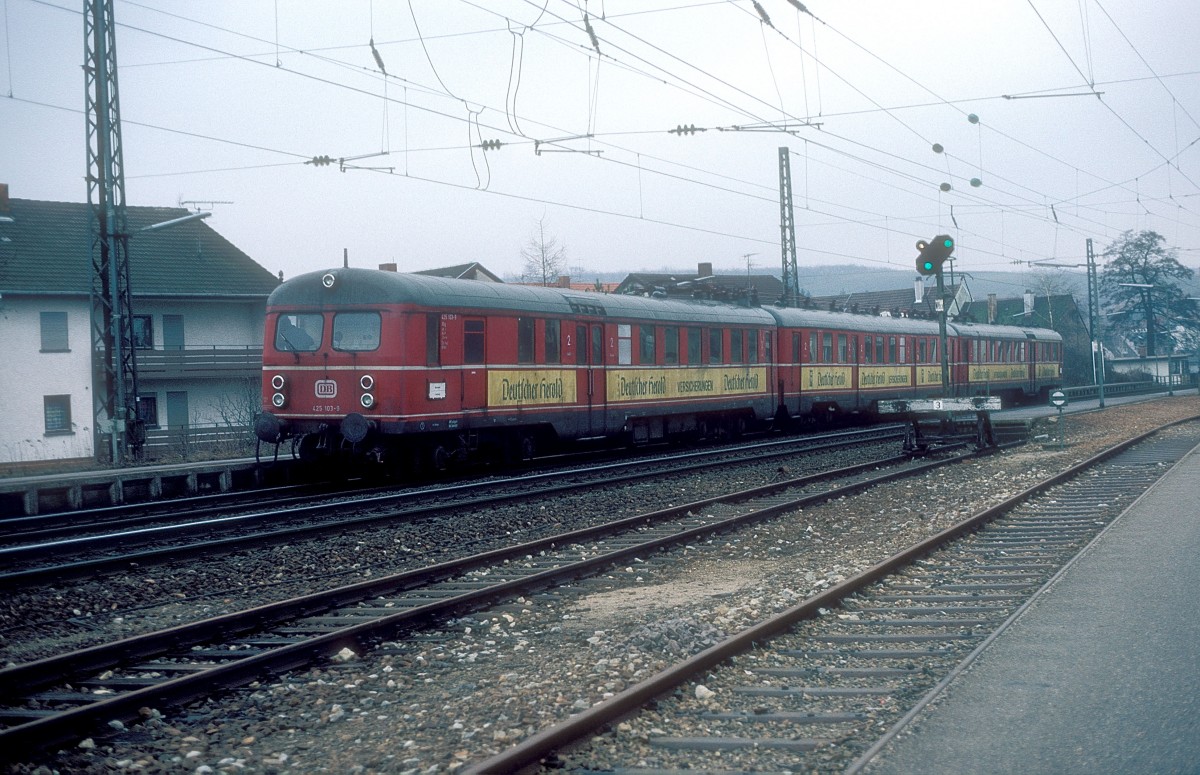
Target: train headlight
<point>367,400</point>
<point>366,382</point>
<point>328,280</point>
<point>278,400</point>
<point>278,382</point>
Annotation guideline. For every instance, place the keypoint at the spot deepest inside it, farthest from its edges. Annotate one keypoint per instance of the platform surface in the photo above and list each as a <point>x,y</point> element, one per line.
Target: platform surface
<point>1101,674</point>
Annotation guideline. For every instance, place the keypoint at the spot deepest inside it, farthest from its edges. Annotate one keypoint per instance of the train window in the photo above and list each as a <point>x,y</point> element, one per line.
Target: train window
<point>356,331</point>
<point>581,347</point>
<point>693,345</point>
<point>903,356</point>
<point>597,345</point>
<point>553,351</point>
<point>299,333</point>
<point>716,353</point>
<point>767,348</point>
<point>736,337</point>
<point>920,351</point>
<point>843,343</point>
<point>869,349</point>
<point>752,354</point>
<point>646,344</point>
<point>892,350</point>
<point>433,336</point>
<point>854,349</point>
<point>827,348</point>
<point>795,348</point>
<point>814,353</point>
<point>933,351</point>
<point>473,341</point>
<point>624,344</point>
<point>880,354</point>
<point>671,345</point>
<point>526,335</point>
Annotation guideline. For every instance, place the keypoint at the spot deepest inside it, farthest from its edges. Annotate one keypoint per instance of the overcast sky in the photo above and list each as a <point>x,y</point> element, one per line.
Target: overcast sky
<point>1087,126</point>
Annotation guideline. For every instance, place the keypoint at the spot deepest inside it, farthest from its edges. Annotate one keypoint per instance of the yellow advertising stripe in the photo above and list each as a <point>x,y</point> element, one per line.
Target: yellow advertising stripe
<point>660,384</point>
<point>531,388</point>
<point>886,376</point>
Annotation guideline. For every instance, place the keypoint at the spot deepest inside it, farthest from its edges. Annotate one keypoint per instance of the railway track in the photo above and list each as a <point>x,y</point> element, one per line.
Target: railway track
<point>824,685</point>
<point>52,699</point>
<point>54,552</point>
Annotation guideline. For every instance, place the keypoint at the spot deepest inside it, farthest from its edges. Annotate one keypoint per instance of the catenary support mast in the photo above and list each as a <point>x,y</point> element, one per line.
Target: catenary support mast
<point>116,430</point>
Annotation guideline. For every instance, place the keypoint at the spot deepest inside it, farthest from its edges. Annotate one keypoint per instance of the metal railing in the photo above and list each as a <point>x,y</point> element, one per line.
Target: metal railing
<point>194,361</point>
<point>188,440</point>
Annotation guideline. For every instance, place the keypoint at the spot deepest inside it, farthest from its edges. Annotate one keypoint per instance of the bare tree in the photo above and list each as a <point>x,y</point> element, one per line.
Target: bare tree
<point>544,257</point>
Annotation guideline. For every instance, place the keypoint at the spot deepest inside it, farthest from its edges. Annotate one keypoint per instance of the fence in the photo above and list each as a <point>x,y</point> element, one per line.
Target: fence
<point>199,440</point>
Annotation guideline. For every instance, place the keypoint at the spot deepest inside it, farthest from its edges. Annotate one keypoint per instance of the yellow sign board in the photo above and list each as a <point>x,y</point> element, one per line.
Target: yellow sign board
<point>873,377</point>
<point>827,377</point>
<point>531,388</point>
<point>658,384</point>
<point>999,373</point>
<point>929,375</point>
<point>1047,371</point>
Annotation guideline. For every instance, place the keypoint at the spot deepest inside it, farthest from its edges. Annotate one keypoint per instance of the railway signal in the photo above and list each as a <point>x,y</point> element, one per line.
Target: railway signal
<point>933,254</point>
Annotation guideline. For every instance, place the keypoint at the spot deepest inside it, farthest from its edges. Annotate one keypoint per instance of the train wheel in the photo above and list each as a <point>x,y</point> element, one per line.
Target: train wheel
<point>439,459</point>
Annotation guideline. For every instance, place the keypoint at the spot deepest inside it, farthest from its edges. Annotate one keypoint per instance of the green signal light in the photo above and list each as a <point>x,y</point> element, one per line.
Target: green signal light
<point>928,265</point>
<point>949,243</point>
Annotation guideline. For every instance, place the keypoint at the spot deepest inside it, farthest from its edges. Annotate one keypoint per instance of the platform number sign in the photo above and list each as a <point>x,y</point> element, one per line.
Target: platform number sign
<point>1058,398</point>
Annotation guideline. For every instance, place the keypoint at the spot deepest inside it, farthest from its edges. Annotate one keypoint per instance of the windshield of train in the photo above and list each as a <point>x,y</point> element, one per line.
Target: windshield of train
<point>299,332</point>
<point>356,331</point>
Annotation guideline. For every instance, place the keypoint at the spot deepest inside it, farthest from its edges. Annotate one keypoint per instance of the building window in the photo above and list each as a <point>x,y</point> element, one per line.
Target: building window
<point>147,409</point>
<point>58,414</point>
<point>54,332</point>
<point>143,332</point>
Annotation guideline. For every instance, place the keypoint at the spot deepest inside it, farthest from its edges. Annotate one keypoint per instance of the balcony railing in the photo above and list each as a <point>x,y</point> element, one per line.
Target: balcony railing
<point>211,361</point>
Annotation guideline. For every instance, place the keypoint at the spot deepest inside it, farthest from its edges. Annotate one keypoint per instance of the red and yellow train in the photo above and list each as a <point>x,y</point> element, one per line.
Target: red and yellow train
<point>420,371</point>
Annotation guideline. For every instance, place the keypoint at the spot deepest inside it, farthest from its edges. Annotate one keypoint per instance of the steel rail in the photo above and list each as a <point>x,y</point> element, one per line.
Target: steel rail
<point>18,680</point>
<point>635,471</point>
<point>537,747</point>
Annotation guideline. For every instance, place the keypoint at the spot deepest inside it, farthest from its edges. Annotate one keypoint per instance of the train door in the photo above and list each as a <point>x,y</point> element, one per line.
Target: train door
<point>597,398</point>
<point>474,371</point>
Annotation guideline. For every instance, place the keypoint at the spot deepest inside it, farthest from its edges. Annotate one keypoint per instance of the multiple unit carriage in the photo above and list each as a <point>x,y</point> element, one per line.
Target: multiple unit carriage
<point>421,371</point>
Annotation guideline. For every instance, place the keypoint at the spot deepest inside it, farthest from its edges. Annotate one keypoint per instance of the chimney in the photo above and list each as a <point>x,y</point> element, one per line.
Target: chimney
<point>1028,302</point>
<point>991,308</point>
<point>3,197</point>
<point>704,269</point>
<point>564,281</point>
<point>387,267</point>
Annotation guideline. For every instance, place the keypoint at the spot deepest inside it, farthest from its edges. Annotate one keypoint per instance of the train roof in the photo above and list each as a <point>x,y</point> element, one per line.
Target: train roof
<point>799,317</point>
<point>365,287</point>
<point>354,286</point>
<point>994,331</point>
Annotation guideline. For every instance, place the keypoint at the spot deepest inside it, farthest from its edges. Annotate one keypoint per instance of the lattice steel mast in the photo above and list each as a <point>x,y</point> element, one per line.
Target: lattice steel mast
<point>116,430</point>
<point>787,230</point>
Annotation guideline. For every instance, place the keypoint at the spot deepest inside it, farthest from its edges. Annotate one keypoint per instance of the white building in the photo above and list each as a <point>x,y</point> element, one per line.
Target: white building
<point>198,305</point>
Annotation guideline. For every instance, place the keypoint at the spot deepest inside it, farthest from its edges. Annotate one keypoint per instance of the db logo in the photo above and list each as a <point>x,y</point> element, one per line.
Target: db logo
<point>326,388</point>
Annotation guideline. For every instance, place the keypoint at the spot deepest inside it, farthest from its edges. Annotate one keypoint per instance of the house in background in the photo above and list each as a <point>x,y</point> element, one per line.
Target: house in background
<point>198,309</point>
<point>471,271</point>
<point>736,288</point>
<point>920,302</point>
